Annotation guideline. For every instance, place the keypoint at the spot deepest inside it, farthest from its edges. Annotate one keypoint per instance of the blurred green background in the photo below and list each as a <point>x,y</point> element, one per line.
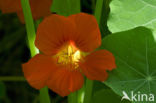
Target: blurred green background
<point>13,52</point>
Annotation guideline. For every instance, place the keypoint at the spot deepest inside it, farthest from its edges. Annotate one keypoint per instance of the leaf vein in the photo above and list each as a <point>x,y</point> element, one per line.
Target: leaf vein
<point>132,68</point>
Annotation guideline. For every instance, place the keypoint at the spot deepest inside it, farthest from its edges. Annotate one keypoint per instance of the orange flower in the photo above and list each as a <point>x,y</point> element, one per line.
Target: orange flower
<point>67,45</point>
<point>39,8</point>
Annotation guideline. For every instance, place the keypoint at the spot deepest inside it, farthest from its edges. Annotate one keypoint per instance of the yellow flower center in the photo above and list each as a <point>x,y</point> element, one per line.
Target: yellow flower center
<point>69,56</point>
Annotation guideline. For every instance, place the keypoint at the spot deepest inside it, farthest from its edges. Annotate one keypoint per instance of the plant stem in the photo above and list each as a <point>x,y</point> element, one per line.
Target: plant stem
<point>93,5</point>
<point>80,95</point>
<point>88,91</point>
<point>78,3</point>
<point>77,6</point>
<point>29,26</point>
<point>72,98</point>
<point>98,10</point>
<point>44,96</point>
<point>31,38</point>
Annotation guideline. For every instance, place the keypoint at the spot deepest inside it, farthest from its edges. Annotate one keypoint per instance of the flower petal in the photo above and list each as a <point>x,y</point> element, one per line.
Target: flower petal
<point>39,8</point>
<point>76,81</point>
<point>53,33</point>
<point>88,35</point>
<point>64,81</point>
<point>21,16</point>
<point>96,64</point>
<point>10,6</point>
<point>38,70</point>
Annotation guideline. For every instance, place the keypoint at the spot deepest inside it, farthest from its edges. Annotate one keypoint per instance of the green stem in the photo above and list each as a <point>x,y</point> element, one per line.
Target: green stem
<point>31,38</point>
<point>30,27</point>
<point>44,96</point>
<point>88,91</point>
<point>80,95</point>
<point>12,78</point>
<point>89,83</point>
<point>78,3</point>
<point>72,98</point>
<point>98,10</point>
<point>93,5</point>
<point>77,6</point>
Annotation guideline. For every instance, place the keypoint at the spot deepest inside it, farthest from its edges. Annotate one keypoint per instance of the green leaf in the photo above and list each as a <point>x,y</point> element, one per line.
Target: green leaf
<point>105,96</point>
<point>135,54</point>
<point>99,86</point>
<point>66,7</point>
<point>128,14</point>
<point>2,90</point>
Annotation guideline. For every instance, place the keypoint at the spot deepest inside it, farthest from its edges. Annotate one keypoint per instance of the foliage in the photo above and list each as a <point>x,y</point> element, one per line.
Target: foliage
<point>135,55</point>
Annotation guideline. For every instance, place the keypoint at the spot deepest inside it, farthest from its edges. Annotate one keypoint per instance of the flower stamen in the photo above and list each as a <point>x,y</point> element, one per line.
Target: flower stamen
<point>69,55</point>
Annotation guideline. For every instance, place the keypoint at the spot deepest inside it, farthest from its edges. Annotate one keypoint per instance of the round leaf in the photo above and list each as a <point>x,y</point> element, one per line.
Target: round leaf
<point>135,54</point>
<point>128,14</point>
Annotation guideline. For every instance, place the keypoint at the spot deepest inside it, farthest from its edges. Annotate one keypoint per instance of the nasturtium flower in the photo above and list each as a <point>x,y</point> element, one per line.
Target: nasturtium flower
<point>67,46</point>
<point>39,8</point>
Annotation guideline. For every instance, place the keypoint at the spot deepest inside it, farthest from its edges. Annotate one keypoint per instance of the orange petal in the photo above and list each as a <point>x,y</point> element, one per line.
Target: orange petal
<point>88,35</point>
<point>53,33</point>
<point>76,81</point>
<point>10,6</point>
<point>64,81</point>
<point>96,64</point>
<point>21,16</point>
<point>39,8</point>
<point>38,70</point>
